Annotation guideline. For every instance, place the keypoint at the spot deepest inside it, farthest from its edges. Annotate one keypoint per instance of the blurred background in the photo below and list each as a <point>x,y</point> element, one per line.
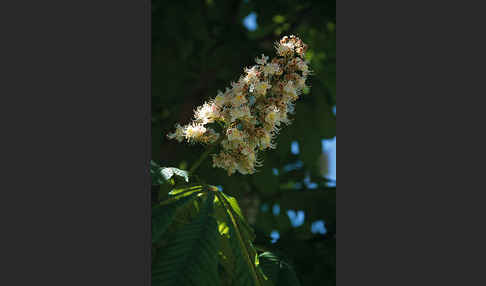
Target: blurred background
<point>198,48</point>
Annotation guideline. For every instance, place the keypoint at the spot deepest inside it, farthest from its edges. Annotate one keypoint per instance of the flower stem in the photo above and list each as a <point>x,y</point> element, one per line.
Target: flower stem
<point>204,155</point>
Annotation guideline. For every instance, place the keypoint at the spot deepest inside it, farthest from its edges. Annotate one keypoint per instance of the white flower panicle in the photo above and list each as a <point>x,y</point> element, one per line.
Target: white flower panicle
<point>251,112</point>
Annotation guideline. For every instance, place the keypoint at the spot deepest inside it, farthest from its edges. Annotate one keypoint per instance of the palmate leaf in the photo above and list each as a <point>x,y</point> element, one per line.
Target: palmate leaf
<point>242,270</point>
<point>161,175</point>
<point>163,215</point>
<point>203,244</point>
<point>245,264</point>
<point>279,271</point>
<point>245,229</point>
<point>181,192</point>
<point>191,258</point>
<point>237,270</point>
<point>169,172</point>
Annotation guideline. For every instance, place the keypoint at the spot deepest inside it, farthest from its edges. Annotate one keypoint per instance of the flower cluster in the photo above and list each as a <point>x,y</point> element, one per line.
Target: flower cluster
<point>251,112</point>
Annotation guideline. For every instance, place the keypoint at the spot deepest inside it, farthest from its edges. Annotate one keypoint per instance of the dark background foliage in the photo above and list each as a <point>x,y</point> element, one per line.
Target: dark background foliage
<point>198,47</point>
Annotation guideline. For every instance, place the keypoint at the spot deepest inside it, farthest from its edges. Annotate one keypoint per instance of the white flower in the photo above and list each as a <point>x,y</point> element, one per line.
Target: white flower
<point>271,69</point>
<point>302,66</point>
<point>221,99</point>
<point>239,99</point>
<point>272,115</point>
<point>178,134</point>
<point>300,82</point>
<point>241,112</point>
<point>225,161</point>
<point>211,136</point>
<point>285,49</point>
<point>234,134</point>
<point>251,74</point>
<point>261,61</point>
<point>207,113</point>
<point>261,87</point>
<point>284,116</point>
<point>194,131</point>
<point>229,145</point>
<point>247,164</point>
<point>290,90</point>
<point>249,117</point>
<point>246,150</point>
<point>266,141</point>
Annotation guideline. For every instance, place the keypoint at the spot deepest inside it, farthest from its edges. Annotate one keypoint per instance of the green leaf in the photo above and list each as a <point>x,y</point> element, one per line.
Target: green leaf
<point>247,231</point>
<point>157,178</point>
<point>163,215</point>
<point>246,269</point>
<point>185,191</point>
<point>279,271</point>
<point>232,255</point>
<point>161,175</point>
<point>169,172</point>
<point>191,258</point>
<point>242,270</point>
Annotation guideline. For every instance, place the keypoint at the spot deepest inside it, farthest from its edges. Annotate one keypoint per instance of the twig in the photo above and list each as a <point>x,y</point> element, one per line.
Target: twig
<point>205,155</point>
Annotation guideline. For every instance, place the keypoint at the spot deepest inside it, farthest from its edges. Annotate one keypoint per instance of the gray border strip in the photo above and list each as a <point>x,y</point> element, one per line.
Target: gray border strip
<point>75,142</point>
